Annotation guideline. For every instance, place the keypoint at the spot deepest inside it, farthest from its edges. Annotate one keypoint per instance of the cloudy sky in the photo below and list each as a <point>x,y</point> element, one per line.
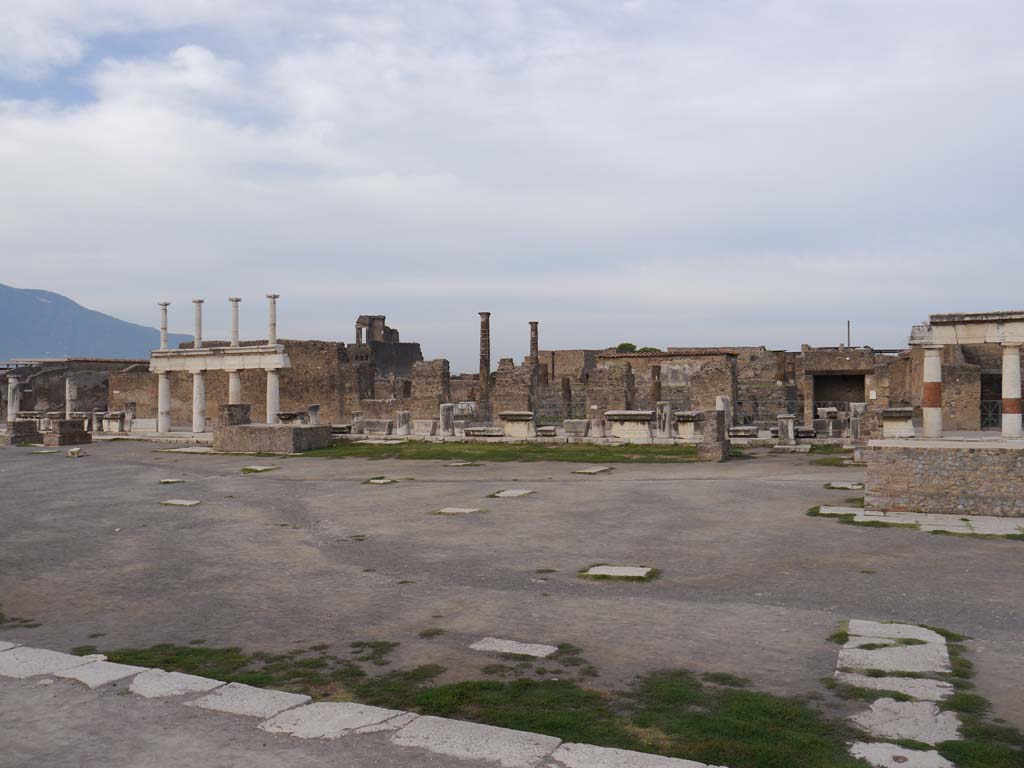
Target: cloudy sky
<point>695,172</point>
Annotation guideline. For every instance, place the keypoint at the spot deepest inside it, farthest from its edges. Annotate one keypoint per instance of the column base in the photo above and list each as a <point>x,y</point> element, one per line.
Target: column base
<point>1012,426</point>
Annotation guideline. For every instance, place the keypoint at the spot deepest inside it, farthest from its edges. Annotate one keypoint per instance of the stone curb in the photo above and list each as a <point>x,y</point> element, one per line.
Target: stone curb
<point>294,715</point>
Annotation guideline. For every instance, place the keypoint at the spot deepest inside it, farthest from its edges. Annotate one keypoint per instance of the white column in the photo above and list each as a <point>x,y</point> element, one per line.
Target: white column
<point>272,317</point>
<point>199,323</point>
<point>931,397</point>
<point>13,399</point>
<point>199,401</point>
<point>163,323</point>
<point>1011,391</point>
<point>234,321</point>
<point>273,395</point>
<point>70,396</point>
<point>234,387</point>
<point>163,403</point>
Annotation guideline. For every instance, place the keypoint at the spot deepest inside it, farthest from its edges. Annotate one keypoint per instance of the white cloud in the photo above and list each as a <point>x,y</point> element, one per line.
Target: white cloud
<point>709,173</point>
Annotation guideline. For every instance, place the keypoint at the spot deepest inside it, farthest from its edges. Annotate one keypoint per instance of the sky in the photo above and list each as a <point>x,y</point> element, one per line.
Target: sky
<point>697,172</point>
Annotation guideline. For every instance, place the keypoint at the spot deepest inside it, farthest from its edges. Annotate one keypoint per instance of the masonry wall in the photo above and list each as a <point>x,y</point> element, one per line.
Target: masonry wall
<point>514,388</point>
<point>567,362</point>
<point>609,389</point>
<point>953,480</point>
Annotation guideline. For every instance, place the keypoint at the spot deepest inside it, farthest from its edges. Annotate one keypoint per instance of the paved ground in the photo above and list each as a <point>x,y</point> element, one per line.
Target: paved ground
<point>750,585</point>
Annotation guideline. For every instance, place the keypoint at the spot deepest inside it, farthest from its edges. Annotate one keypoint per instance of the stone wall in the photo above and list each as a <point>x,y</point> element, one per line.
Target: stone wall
<point>42,385</point>
<point>567,362</point>
<point>514,387</point>
<point>960,479</point>
<point>609,389</point>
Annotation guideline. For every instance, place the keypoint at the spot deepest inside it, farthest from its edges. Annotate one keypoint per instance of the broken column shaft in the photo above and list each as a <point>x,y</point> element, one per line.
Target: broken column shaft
<point>485,355</point>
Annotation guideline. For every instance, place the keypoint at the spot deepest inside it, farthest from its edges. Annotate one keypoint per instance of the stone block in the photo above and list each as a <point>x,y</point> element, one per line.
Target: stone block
<point>447,420</point>
<point>576,427</point>
<point>497,645</point>
<point>97,673</point>
<point>24,662</point>
<point>424,427</point>
<point>598,428</point>
<point>473,741</point>
<point>518,425</point>
<point>483,432</point>
<point>886,755</point>
<point>724,404</point>
<point>915,720</point>
<point>156,683</point>
<point>22,431</point>
<point>743,431</point>
<point>619,571</point>
<point>378,426</point>
<point>631,426</point>
<point>241,699</point>
<point>587,756</point>
<point>271,438</point>
<point>547,431</point>
<point>66,432</point>
<point>663,419</point>
<point>327,720</point>
<point>787,429</point>
<point>403,423</point>
<point>313,415</point>
<point>234,415</point>
<point>897,422</point>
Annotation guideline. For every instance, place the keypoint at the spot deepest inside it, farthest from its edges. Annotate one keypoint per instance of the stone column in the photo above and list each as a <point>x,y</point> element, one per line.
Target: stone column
<point>1011,391</point>
<point>272,326</point>
<point>931,396</point>
<point>534,345</point>
<point>198,332</point>
<point>273,395</point>
<point>13,399</point>
<point>359,334</point>
<point>724,404</point>
<point>234,387</point>
<point>403,423</point>
<point>70,396</point>
<point>163,323</point>
<point>447,420</point>
<point>787,429</point>
<point>663,418</point>
<point>313,415</point>
<point>234,320</point>
<point>163,403</point>
<point>485,356</point>
<point>199,401</point>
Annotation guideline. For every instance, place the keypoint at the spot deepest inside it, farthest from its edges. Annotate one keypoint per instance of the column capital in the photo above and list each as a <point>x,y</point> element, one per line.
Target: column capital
<point>163,303</point>
<point>933,347</point>
<point>1011,344</point>
<point>235,299</point>
<point>273,295</point>
<point>198,301</point>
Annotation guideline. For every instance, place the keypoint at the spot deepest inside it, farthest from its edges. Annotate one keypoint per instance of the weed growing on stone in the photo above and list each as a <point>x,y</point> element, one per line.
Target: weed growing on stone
<point>375,651</point>
<point>430,632</point>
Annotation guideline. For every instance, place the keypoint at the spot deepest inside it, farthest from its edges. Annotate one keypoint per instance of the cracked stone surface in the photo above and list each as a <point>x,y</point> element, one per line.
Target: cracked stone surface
<point>620,571</point>
<point>512,493</point>
<point>156,683</point>
<point>930,657</point>
<point>473,741</point>
<point>892,756</point>
<point>240,699</point>
<point>24,662</point>
<point>846,486</point>
<point>180,502</point>
<point>4,645</point>
<point>919,688</point>
<point>497,645</point>
<point>918,720</point>
<point>874,629</point>
<point>328,720</point>
<point>587,756</point>
<point>389,725</point>
<point>99,673</point>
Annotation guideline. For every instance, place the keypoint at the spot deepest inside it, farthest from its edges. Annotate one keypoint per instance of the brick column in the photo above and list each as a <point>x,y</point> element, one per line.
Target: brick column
<point>931,395</point>
<point>485,356</point>
<point>1011,420</point>
<point>534,346</point>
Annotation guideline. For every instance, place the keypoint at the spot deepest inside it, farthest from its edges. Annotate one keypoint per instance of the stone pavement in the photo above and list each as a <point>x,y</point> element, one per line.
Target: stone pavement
<point>974,524</point>
<point>57,723</point>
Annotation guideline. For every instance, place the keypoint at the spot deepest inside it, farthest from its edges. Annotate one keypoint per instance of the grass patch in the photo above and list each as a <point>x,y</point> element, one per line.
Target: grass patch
<point>15,622</point>
<point>831,450</point>
<point>374,651</point>
<point>857,693</point>
<point>855,501</point>
<point>829,461</point>
<point>546,570</point>
<point>979,754</point>
<point>572,452</point>
<point>724,678</point>
<point>430,632</point>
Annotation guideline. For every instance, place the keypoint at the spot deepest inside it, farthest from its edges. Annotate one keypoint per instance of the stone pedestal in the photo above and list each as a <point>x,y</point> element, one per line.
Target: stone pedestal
<point>597,428</point>
<point>663,419</point>
<point>724,404</point>
<point>897,422</point>
<point>787,429</point>
<point>66,432</point>
<point>576,428</point>
<point>22,431</point>
<point>424,427</point>
<point>714,444</point>
<point>113,422</point>
<point>271,438</point>
<point>447,420</point>
<point>234,414</point>
<point>313,415</point>
<point>518,425</point>
<point>631,426</point>
<point>378,426</point>
<point>403,423</point>
<point>357,422</point>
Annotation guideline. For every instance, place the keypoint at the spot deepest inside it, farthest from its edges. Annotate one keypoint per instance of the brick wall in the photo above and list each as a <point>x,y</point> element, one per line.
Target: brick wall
<point>948,480</point>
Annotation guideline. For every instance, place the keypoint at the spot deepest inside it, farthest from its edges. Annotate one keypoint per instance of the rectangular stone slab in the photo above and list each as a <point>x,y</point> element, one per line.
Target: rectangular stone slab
<point>930,657</point>
<point>156,683</point>
<point>99,673</point>
<point>591,470</point>
<point>922,689</point>
<point>620,571</point>
<point>327,720</point>
<point>512,493</point>
<point>5,646</point>
<point>497,645</point>
<point>240,699</point>
<point>587,756</point>
<point>171,481</point>
<point>180,502</point>
<point>885,755</point>
<point>457,511</point>
<point>864,628</point>
<point>259,468</point>
<point>24,662</point>
<point>917,720</point>
<point>473,741</point>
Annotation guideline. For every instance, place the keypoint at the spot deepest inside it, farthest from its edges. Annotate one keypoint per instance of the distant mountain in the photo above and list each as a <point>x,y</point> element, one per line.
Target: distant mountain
<point>44,324</point>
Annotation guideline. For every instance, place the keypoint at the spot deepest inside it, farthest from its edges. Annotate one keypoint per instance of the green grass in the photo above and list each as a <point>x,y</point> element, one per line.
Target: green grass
<point>857,693</point>
<point>830,461</point>
<point>574,452</point>
<point>376,651</point>
<point>724,678</point>
<point>430,632</point>
<point>831,450</point>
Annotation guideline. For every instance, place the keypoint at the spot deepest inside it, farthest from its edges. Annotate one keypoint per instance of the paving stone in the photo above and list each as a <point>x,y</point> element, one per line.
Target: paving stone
<point>895,631</point>
<point>497,645</point>
<point>620,571</point>
<point>5,646</point>
<point>389,725</point>
<point>465,464</point>
<point>22,662</point>
<point>382,442</point>
<point>892,756</point>
<point>259,468</point>
<point>171,480</point>
<point>930,657</point>
<point>240,699</point>
<point>591,470</point>
<point>846,486</point>
<point>920,688</point>
<point>947,528</point>
<point>917,720</point>
<point>457,510</point>
<point>99,673</point>
<point>473,741</point>
<point>512,493</point>
<point>587,756</point>
<point>156,683</point>
<point>42,453</point>
<point>997,526</point>
<point>328,720</point>
<point>180,503</point>
<point>381,481</point>
<point>828,510</point>
<point>190,449</point>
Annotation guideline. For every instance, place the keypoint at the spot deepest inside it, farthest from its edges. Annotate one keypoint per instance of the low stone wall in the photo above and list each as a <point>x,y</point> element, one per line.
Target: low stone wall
<point>958,478</point>
<point>271,438</point>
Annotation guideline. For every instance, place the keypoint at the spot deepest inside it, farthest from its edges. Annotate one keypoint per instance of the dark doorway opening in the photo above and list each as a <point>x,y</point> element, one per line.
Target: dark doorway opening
<point>838,390</point>
<point>991,400</point>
